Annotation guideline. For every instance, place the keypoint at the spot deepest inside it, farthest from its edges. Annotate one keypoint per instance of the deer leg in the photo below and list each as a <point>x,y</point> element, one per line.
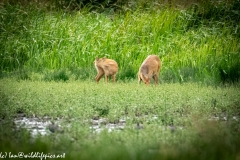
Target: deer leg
<point>106,78</point>
<point>114,78</point>
<point>155,77</point>
<point>139,79</point>
<point>99,76</point>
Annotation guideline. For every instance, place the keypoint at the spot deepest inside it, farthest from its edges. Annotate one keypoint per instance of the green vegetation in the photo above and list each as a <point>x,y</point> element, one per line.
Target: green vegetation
<point>179,120</point>
<point>200,43</point>
<point>47,51</point>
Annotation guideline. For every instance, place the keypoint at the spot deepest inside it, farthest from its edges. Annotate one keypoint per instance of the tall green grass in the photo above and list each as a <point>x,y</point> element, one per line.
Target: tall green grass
<point>200,43</point>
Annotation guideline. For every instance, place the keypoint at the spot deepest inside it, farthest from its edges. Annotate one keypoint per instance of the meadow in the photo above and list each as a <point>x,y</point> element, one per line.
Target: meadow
<point>47,49</point>
<point>170,121</point>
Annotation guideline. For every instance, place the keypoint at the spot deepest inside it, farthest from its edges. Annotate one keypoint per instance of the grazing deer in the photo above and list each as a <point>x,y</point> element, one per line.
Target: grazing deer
<point>107,67</point>
<point>150,68</point>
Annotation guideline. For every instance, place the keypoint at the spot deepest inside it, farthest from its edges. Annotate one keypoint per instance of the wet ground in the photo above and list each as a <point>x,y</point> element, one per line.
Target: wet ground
<point>34,125</point>
<point>101,124</point>
<point>45,126</point>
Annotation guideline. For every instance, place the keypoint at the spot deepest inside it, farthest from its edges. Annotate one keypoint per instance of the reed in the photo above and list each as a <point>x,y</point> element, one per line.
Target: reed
<point>194,44</point>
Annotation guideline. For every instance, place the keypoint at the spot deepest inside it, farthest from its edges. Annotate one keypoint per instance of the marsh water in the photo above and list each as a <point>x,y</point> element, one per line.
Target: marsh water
<point>45,126</point>
<point>34,125</point>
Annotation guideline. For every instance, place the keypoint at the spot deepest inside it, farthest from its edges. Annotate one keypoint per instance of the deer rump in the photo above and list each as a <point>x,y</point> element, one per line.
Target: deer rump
<point>150,68</point>
<point>107,67</point>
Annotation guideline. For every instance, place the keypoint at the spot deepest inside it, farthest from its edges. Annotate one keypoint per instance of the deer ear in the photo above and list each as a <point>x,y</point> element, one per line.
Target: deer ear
<point>97,58</point>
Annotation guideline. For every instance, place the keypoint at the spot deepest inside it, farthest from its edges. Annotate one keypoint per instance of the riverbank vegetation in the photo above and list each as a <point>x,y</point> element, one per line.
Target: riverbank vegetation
<point>197,42</point>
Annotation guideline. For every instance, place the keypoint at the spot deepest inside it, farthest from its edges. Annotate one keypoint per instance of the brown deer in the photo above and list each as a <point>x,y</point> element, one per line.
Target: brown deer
<point>150,68</point>
<point>107,67</point>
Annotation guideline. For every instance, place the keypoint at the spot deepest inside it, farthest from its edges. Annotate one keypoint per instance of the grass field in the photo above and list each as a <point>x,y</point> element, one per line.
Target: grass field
<point>170,121</point>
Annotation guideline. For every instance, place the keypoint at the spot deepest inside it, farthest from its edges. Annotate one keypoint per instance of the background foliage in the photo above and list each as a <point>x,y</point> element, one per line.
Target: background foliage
<point>196,41</point>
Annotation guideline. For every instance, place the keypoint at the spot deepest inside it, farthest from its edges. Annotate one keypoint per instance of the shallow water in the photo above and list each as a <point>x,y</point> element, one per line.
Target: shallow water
<point>44,126</point>
<point>36,126</point>
<point>101,124</point>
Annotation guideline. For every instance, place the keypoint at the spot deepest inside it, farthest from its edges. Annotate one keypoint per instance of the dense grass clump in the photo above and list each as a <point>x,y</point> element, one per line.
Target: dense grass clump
<point>198,43</point>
